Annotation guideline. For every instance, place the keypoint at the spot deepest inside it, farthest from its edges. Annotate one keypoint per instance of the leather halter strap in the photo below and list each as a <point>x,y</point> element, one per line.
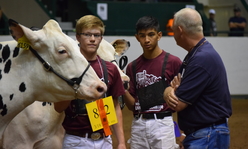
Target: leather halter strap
<point>72,82</point>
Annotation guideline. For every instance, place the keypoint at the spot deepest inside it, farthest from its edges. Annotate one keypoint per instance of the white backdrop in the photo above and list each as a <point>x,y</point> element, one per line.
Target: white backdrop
<point>233,50</point>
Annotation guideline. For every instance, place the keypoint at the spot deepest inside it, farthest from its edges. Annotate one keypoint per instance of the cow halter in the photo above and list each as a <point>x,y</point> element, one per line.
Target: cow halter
<point>74,82</point>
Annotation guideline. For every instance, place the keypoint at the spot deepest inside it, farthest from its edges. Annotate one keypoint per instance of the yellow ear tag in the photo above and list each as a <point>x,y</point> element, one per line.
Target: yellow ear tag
<point>23,42</point>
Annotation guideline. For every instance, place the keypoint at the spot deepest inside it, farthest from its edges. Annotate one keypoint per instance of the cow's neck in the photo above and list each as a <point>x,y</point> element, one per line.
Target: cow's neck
<point>19,81</point>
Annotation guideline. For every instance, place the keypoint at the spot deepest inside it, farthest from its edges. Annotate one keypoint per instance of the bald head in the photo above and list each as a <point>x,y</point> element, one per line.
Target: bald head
<point>190,21</point>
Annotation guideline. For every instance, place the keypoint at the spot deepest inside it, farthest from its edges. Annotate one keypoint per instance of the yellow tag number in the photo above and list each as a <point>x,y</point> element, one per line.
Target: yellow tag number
<point>94,115</point>
<point>110,110</point>
<point>23,42</point>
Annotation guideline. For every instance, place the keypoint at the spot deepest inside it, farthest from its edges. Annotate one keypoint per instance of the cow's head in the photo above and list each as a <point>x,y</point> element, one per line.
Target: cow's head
<point>107,52</point>
<point>121,46</point>
<point>63,55</point>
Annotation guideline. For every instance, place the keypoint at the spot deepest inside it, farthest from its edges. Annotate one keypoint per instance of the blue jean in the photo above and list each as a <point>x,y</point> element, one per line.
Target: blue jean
<point>214,137</point>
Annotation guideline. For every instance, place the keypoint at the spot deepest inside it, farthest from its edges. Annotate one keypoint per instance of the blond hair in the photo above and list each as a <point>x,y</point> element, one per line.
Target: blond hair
<point>89,21</point>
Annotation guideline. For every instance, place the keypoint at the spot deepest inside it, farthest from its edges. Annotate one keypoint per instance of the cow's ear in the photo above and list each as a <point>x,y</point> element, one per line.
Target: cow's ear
<point>22,34</point>
<point>12,22</point>
<point>52,25</point>
<point>18,31</point>
<point>15,29</point>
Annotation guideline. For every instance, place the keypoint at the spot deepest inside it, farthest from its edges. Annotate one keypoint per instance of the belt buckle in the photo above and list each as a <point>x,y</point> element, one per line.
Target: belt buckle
<point>95,136</point>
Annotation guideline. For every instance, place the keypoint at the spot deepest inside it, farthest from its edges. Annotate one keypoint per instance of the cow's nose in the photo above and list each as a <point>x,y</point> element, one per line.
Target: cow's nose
<point>102,88</point>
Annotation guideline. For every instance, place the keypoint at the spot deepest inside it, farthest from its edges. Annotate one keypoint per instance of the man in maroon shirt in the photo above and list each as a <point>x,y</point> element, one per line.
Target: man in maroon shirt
<point>150,74</point>
<point>79,134</point>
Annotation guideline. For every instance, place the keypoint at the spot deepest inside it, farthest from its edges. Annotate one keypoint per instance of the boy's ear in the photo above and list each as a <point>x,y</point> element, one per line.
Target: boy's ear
<point>160,35</point>
<point>136,36</point>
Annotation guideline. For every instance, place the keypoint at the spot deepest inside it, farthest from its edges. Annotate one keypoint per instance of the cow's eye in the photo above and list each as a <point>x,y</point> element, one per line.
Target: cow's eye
<point>62,51</point>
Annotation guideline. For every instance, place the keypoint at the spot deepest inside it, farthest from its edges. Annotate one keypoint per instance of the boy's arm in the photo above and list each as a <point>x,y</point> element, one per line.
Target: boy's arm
<point>118,127</point>
<point>61,106</point>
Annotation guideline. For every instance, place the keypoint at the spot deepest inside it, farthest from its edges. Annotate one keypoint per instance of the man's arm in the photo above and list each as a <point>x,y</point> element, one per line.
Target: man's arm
<point>170,97</point>
<point>172,101</point>
<point>235,25</point>
<point>118,127</point>
<point>232,25</point>
<point>241,25</point>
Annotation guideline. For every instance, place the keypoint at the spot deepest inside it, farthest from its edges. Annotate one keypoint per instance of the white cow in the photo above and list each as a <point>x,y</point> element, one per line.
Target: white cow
<point>39,125</point>
<point>116,48</point>
<point>24,80</point>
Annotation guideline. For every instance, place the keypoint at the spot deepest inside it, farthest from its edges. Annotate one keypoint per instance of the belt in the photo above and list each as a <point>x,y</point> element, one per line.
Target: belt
<point>191,130</point>
<point>160,115</point>
<point>94,136</point>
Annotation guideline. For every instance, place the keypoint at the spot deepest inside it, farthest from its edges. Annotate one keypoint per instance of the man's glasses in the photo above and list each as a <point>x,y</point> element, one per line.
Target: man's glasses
<point>89,35</point>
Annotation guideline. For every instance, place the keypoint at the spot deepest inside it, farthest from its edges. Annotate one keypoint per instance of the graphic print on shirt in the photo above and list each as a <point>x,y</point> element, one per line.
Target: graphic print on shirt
<point>143,79</point>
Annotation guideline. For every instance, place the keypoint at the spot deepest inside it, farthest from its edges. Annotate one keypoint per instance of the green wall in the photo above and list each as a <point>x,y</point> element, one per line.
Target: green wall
<point>122,16</point>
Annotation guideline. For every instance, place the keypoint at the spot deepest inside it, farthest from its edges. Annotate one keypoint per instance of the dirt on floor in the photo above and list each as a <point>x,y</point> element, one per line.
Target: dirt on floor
<point>238,124</point>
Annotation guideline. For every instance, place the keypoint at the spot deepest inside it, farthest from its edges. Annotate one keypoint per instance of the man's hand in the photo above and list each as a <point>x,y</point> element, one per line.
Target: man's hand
<point>169,93</point>
<point>181,138</point>
<point>170,97</point>
<point>176,81</point>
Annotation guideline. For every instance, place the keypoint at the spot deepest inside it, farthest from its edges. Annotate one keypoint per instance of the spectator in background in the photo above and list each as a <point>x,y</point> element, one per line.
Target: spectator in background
<point>213,25</point>
<point>1,13</point>
<point>62,10</point>
<point>2,23</point>
<point>169,26</point>
<point>237,23</point>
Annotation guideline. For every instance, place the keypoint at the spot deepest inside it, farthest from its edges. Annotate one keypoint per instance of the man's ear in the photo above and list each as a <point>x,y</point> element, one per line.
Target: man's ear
<point>180,29</point>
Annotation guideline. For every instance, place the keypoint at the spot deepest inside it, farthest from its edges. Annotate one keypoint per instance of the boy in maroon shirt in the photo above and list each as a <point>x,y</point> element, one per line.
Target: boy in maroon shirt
<point>150,74</point>
<point>79,134</point>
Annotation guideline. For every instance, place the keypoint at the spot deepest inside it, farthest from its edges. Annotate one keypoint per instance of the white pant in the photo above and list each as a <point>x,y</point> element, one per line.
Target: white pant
<point>153,134</point>
<point>75,142</point>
